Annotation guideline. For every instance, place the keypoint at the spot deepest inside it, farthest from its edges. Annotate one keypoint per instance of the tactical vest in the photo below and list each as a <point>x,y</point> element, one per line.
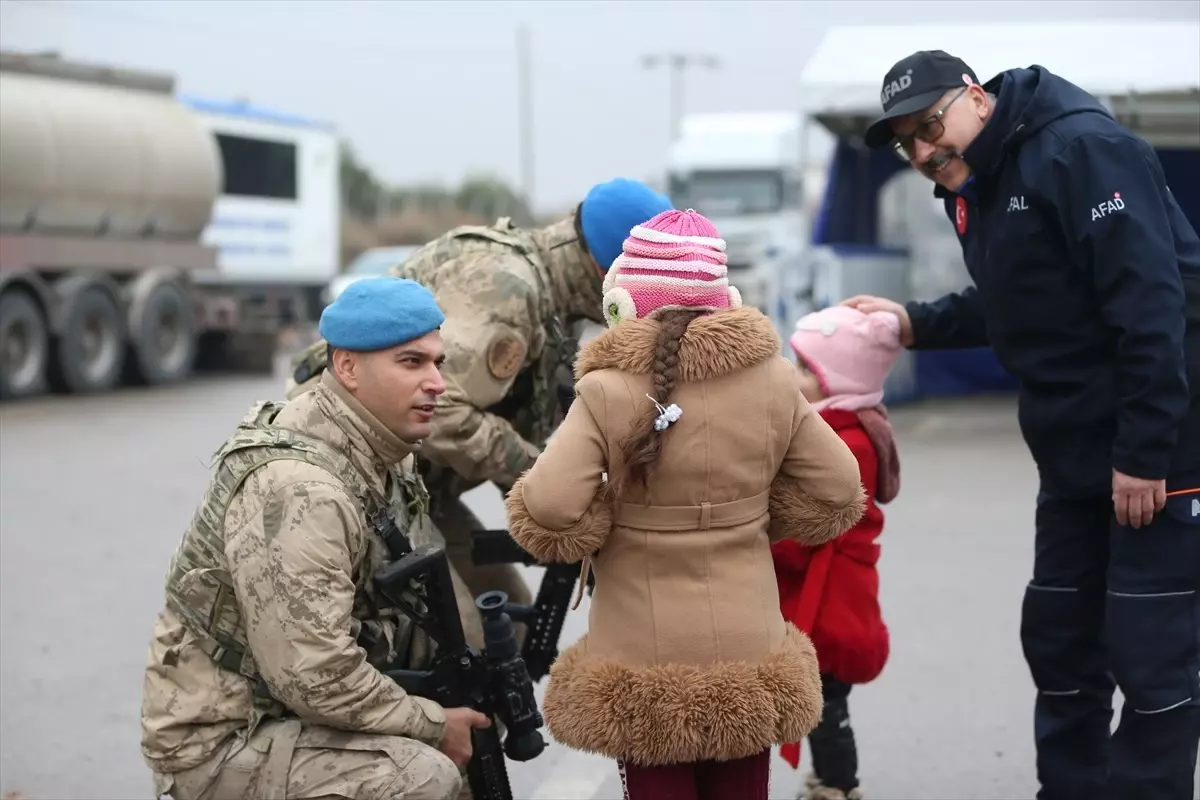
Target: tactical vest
<point>199,587</point>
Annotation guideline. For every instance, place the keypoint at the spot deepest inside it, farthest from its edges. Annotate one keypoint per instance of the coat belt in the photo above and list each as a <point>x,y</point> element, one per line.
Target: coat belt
<point>692,518</point>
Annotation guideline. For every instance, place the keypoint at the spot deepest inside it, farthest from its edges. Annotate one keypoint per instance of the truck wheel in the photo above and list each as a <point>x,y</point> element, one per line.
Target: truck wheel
<point>162,336</point>
<point>24,345</point>
<point>89,351</point>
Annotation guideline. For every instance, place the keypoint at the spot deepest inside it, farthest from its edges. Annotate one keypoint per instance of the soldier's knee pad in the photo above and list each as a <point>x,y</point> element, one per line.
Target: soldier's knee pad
<point>430,775</point>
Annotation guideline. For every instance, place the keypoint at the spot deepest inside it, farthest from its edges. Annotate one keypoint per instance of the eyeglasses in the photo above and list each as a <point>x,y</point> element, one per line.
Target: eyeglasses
<point>929,130</point>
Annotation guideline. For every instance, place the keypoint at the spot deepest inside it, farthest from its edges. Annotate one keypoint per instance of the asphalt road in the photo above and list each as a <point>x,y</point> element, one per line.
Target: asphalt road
<point>82,580</point>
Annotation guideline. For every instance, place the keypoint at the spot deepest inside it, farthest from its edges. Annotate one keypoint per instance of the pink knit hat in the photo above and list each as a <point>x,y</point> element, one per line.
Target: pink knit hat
<point>850,352</point>
<point>675,261</point>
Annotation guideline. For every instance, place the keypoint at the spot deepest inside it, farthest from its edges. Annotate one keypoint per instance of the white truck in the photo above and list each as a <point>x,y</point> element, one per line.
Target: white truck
<point>143,235</point>
<point>744,171</point>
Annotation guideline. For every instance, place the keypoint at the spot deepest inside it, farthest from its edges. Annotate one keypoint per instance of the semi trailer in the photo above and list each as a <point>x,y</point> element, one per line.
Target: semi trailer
<point>145,234</point>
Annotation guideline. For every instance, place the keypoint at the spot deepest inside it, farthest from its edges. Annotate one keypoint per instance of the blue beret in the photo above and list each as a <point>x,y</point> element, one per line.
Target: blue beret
<point>610,210</point>
<point>378,313</point>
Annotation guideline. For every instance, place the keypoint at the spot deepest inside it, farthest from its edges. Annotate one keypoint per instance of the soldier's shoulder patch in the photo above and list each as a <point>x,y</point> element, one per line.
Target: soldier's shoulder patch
<point>505,355</point>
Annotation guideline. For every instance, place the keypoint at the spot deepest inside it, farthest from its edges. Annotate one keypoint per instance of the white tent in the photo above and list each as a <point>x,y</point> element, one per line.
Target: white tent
<point>1148,73</point>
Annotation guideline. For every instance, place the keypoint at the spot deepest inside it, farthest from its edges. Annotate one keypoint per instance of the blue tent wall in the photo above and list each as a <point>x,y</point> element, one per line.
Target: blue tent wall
<point>849,212</point>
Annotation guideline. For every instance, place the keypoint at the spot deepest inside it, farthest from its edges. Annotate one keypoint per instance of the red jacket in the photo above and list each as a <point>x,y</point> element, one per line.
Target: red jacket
<point>831,592</point>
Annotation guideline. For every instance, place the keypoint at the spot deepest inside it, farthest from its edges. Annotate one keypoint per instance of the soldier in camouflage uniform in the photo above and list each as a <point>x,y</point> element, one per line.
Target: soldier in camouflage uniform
<point>256,684</point>
<point>510,295</point>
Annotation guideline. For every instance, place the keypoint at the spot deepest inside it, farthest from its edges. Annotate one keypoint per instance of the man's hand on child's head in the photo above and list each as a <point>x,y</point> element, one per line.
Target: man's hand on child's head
<point>868,304</point>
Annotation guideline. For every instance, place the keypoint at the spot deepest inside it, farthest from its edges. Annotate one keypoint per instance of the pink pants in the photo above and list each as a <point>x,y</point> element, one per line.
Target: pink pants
<point>741,779</point>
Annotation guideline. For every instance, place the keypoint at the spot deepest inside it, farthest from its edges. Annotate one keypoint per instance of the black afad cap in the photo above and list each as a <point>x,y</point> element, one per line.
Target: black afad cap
<point>915,83</point>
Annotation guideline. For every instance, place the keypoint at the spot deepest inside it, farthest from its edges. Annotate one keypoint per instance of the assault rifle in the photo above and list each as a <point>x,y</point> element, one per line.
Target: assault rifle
<point>495,682</point>
<point>544,619</point>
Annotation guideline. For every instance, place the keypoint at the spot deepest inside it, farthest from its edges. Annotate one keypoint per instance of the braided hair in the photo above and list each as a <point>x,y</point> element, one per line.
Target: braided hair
<point>641,449</point>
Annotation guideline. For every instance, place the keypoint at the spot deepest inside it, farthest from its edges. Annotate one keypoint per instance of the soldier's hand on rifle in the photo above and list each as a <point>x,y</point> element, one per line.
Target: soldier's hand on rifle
<point>456,740</point>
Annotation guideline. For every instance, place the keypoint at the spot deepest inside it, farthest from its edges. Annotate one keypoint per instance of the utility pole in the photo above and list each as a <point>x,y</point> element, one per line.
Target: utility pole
<point>676,64</point>
<point>525,115</point>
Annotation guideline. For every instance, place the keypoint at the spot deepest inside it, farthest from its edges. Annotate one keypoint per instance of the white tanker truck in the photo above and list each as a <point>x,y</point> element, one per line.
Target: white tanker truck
<point>144,235</point>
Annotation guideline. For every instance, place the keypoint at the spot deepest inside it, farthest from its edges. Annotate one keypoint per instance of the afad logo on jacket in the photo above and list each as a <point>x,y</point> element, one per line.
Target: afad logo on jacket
<point>1108,207</point>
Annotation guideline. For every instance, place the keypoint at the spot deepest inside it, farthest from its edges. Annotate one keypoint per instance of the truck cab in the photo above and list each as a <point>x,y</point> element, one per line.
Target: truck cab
<point>275,223</point>
<point>743,171</point>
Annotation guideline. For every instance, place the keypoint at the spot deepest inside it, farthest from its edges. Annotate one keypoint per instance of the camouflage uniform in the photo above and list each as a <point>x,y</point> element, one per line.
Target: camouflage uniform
<point>509,295</point>
<point>256,685</point>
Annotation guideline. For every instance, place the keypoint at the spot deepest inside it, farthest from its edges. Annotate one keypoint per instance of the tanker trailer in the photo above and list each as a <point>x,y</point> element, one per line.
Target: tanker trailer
<point>106,185</point>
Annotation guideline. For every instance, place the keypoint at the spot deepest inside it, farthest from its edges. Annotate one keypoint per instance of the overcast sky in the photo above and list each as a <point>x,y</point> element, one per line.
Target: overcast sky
<point>427,91</point>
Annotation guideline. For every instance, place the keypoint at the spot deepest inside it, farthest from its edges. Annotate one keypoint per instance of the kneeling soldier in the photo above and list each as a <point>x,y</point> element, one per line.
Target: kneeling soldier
<point>262,679</point>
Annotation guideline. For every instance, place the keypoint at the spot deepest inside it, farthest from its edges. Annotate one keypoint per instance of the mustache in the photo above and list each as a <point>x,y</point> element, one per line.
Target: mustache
<point>938,161</point>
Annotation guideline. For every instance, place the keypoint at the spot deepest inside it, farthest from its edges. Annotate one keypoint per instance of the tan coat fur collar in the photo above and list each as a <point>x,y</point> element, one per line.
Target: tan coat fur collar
<point>713,345</point>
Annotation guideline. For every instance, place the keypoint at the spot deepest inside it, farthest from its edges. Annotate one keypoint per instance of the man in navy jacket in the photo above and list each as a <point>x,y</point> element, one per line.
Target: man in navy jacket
<point>1087,287</point>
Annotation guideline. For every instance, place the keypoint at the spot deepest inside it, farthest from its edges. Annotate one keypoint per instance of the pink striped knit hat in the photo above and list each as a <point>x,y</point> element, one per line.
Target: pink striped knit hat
<point>675,261</point>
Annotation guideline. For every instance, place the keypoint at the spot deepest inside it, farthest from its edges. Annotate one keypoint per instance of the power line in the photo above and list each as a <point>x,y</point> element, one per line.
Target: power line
<point>677,64</point>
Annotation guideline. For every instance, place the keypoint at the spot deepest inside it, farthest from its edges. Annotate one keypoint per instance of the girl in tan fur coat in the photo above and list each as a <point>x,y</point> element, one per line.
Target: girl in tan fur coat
<point>689,449</point>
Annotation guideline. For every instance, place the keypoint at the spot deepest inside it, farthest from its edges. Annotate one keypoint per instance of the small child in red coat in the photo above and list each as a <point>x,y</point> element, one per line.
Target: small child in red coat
<point>831,592</point>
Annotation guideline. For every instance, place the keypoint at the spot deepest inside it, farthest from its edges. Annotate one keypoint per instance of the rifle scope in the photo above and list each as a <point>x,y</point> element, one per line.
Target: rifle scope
<point>511,688</point>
